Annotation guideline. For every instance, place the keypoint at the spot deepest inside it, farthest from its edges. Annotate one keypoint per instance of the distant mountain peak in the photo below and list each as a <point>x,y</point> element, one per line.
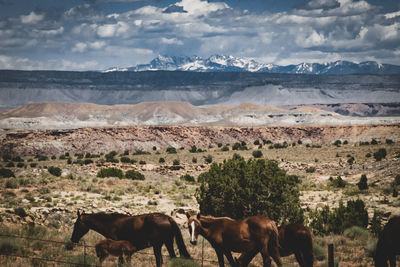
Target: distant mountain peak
<point>229,63</point>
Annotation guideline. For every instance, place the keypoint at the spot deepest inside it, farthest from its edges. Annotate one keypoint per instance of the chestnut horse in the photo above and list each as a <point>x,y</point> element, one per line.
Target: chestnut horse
<point>293,239</point>
<point>143,231</point>
<point>116,248</point>
<point>227,235</point>
<point>388,244</point>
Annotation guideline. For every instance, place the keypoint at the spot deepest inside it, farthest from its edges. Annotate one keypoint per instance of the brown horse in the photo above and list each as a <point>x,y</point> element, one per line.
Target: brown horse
<point>143,231</point>
<point>293,239</point>
<point>388,244</point>
<point>296,239</point>
<point>227,235</point>
<point>119,249</point>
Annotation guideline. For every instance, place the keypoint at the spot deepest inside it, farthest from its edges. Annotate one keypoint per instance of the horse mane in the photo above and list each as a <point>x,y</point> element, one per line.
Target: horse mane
<point>106,216</point>
<point>212,218</point>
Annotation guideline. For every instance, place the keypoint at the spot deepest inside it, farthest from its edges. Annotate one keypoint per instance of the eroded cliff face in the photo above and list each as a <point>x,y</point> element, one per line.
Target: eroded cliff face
<point>105,139</point>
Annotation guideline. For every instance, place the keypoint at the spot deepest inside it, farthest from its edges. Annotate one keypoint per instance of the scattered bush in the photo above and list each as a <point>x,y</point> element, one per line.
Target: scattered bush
<point>110,172</point>
<point>176,162</point>
<point>154,148</point>
<point>337,143</point>
<point>6,173</point>
<point>397,180</point>
<point>188,178</point>
<point>20,212</point>
<point>368,155</point>
<point>193,149</point>
<point>257,153</point>
<point>56,171</point>
<point>357,232</point>
<point>350,160</point>
<point>87,161</point>
<point>10,164</point>
<point>380,154</point>
<point>171,150</point>
<point>376,223</point>
<point>182,262</point>
<point>225,148</point>
<point>363,183</point>
<point>12,183</point>
<point>10,245</point>
<point>110,157</point>
<point>125,160</point>
<point>194,160</point>
<point>140,152</point>
<point>208,159</point>
<point>362,143</point>
<point>219,144</point>
<point>310,170</point>
<point>257,142</point>
<point>161,160</point>
<point>82,260</point>
<point>134,175</point>
<point>374,142</point>
<point>337,182</point>
<point>142,162</point>
<point>389,141</point>
<point>238,188</point>
<point>239,146</point>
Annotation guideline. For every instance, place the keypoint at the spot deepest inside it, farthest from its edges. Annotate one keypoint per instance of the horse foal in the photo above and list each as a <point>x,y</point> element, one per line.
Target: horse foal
<point>115,248</point>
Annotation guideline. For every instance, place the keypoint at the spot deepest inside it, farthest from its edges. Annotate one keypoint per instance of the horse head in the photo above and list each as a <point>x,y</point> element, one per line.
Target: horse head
<point>80,229</point>
<point>194,226</point>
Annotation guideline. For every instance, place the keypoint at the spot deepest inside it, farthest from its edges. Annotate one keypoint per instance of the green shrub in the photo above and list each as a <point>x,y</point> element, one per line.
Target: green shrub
<point>380,154</point>
<point>310,169</point>
<point>87,161</point>
<point>193,149</point>
<point>389,141</point>
<point>12,183</point>
<point>225,148</point>
<point>208,159</point>
<point>219,144</point>
<point>154,148</point>
<point>125,160</point>
<point>10,245</point>
<point>56,171</point>
<point>140,152</point>
<point>81,259</point>
<point>161,160</point>
<point>337,143</point>
<point>363,184</point>
<point>338,219</point>
<point>374,142</point>
<point>371,247</point>
<point>239,188</point>
<point>20,212</point>
<point>356,232</point>
<point>376,222</point>
<point>397,179</point>
<point>142,162</point>
<point>319,251</point>
<point>176,162</point>
<point>6,173</point>
<point>171,150</point>
<point>134,175</point>
<point>10,164</point>
<point>194,160</point>
<point>20,165</point>
<point>33,165</point>
<point>35,231</point>
<point>337,182</point>
<point>110,172</point>
<point>188,178</point>
<point>257,153</point>
<point>257,142</point>
<point>110,157</point>
<point>239,146</point>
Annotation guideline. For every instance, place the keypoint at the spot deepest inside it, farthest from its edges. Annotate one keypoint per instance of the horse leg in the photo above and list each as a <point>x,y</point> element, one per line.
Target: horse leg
<point>245,258</point>
<point>265,254</point>
<point>228,255</point>
<point>121,259</point>
<point>392,260</point>
<point>220,256</point>
<point>300,258</point>
<point>157,254</point>
<point>170,247</point>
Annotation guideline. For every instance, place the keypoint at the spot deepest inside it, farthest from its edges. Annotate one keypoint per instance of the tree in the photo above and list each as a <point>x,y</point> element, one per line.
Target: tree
<point>5,173</point>
<point>238,188</point>
<point>171,150</point>
<point>56,171</point>
<point>363,184</point>
<point>380,154</point>
<point>134,175</point>
<point>257,153</point>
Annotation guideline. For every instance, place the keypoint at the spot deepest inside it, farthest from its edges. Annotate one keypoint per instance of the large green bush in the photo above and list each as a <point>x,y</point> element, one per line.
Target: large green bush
<point>56,171</point>
<point>134,175</point>
<point>5,173</point>
<point>338,219</point>
<point>110,172</point>
<point>238,188</point>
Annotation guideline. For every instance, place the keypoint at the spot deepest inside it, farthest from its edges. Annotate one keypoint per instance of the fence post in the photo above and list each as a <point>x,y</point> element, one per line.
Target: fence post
<point>331,258</point>
<point>84,253</point>
<point>202,252</point>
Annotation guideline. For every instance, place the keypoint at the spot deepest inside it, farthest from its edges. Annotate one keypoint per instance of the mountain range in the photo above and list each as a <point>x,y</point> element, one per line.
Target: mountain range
<point>222,63</point>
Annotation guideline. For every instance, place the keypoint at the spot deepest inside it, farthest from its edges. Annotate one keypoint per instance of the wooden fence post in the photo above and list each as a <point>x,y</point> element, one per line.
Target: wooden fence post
<point>202,252</point>
<point>331,258</point>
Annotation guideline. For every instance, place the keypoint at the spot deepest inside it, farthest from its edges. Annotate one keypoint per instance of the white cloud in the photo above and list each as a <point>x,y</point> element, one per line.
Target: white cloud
<point>171,41</point>
<point>198,7</point>
<point>31,18</point>
<point>79,47</point>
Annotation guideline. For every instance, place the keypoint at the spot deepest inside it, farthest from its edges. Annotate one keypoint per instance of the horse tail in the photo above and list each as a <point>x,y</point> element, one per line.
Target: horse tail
<point>273,244</point>
<point>179,239</point>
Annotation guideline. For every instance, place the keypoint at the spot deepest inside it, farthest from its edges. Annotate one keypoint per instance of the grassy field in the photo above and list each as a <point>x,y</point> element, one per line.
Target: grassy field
<point>49,202</point>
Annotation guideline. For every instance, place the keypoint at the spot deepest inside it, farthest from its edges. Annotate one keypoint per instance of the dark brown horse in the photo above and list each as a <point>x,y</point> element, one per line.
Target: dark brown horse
<point>388,244</point>
<point>296,239</point>
<point>227,235</point>
<point>118,248</point>
<point>143,231</point>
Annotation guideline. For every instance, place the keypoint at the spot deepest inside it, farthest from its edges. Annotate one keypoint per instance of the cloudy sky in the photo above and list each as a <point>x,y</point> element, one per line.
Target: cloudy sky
<point>97,34</point>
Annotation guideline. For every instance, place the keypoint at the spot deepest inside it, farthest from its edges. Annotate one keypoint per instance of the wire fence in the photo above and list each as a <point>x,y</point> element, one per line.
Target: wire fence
<point>10,252</point>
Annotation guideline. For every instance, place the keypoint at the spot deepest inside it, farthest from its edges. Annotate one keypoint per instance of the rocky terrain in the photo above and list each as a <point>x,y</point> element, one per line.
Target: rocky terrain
<point>78,115</point>
<point>197,88</point>
<point>104,139</point>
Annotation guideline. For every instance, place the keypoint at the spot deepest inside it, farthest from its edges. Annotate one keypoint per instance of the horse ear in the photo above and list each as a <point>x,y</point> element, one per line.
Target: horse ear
<point>79,215</point>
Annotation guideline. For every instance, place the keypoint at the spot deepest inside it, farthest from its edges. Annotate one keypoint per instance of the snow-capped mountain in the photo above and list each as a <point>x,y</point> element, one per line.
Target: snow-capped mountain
<point>222,63</point>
